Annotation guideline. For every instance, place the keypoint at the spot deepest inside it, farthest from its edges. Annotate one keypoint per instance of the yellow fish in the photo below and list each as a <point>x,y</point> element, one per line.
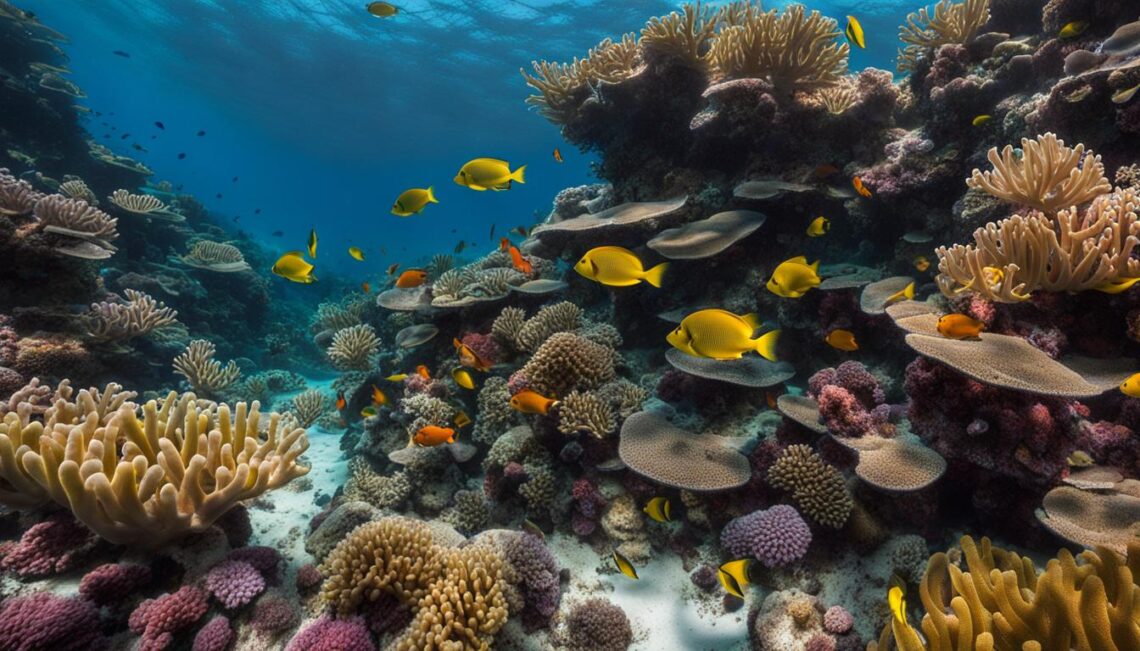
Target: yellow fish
<point>842,340</point>
<point>1079,459</point>
<point>292,266</point>
<point>368,412</point>
<point>906,293</point>
<point>381,9</point>
<point>489,174</point>
<point>960,326</point>
<point>1073,29</point>
<point>818,226</point>
<point>854,33</point>
<point>1125,95</point>
<point>659,509</point>
<point>411,202</point>
<point>921,263</point>
<point>624,566</point>
<point>398,377</point>
<point>993,275</point>
<point>1131,386</point>
<point>720,334</point>
<point>981,119</point>
<point>618,267</point>
<point>733,576</point>
<point>896,599</point>
<point>356,253</point>
<point>378,397</point>
<point>793,278</point>
<point>1117,286</point>
<point>462,378</point>
<point>312,245</point>
<point>462,420</point>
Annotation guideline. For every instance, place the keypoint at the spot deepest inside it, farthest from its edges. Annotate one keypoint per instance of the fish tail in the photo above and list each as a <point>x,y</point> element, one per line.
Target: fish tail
<point>908,291</point>
<point>815,266</point>
<point>766,345</point>
<point>655,275</point>
<point>519,174</point>
<point>431,195</point>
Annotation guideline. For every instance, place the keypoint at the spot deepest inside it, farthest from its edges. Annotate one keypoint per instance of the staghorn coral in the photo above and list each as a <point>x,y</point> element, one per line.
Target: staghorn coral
<point>354,348</point>
<point>338,315</point>
<point>586,412</point>
<point>1075,252</point>
<point>816,487</point>
<point>116,321</point>
<point>565,362</point>
<point>1046,176</point>
<point>215,256</point>
<point>791,49</point>
<point>683,35</point>
<point>495,415</point>
<point>204,373</point>
<point>17,197</point>
<point>563,87</point>
<point>140,204</point>
<point>951,23</point>
<point>170,477</point>
<point>308,406</point>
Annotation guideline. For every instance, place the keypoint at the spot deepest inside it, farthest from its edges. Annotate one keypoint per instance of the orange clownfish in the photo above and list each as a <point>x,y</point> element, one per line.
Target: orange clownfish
<point>520,263</point>
<point>411,278</point>
<point>960,326</point>
<point>432,435</point>
<point>341,403</point>
<point>557,155</point>
<point>423,372</point>
<point>504,245</point>
<point>470,358</point>
<point>529,402</point>
<point>392,268</point>
<point>863,190</point>
<point>378,397</point>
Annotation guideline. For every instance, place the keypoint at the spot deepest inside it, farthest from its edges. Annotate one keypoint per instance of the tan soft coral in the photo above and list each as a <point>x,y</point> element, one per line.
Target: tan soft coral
<point>1046,175</point>
<point>951,22</point>
<point>563,87</point>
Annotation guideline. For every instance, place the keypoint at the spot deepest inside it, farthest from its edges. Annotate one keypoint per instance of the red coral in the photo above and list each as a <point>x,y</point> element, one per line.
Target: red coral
<point>53,546</point>
<point>157,620</point>
<point>43,621</point>
<point>113,582</point>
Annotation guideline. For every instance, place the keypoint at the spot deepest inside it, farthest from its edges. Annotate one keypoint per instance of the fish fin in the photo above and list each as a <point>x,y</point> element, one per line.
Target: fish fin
<point>766,345</point>
<point>753,320</point>
<point>814,266</point>
<point>799,259</point>
<point>431,196</point>
<point>908,291</point>
<point>519,175</point>
<point>655,275</point>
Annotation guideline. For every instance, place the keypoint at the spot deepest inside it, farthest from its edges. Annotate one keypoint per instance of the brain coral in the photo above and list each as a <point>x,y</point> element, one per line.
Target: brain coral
<point>565,362</point>
<point>598,625</point>
<point>816,487</point>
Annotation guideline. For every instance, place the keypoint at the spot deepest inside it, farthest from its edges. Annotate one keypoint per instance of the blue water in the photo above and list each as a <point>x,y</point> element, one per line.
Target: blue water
<point>325,113</point>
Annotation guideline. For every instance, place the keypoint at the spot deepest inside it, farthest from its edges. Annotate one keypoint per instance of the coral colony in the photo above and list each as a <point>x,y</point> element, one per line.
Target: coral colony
<point>938,448</point>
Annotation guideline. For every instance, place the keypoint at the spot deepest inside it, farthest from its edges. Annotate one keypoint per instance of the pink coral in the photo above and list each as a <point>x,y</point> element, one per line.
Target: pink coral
<point>216,635</point>
<point>157,620</point>
<point>273,614</point>
<point>43,621</point>
<point>234,583</point>
<point>820,643</point>
<point>328,634</point>
<point>484,346</point>
<point>56,545</point>
<point>308,578</point>
<point>777,536</point>
<point>265,560</point>
<point>113,582</point>
<point>837,620</point>
<point>416,383</point>
<point>851,402</point>
<point>843,414</point>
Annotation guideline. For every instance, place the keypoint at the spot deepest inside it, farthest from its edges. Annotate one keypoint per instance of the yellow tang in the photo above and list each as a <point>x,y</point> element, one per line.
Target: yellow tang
<point>720,334</point>
<point>896,599</point>
<point>381,9</point>
<point>854,33</point>
<point>411,202</point>
<point>1125,95</point>
<point>292,266</point>
<point>659,509</point>
<point>624,566</point>
<point>618,267</point>
<point>489,174</point>
<point>312,244</point>
<point>1073,29</point>
<point>1131,386</point>
<point>1079,459</point>
<point>733,576</point>
<point>904,293</point>
<point>462,378</point>
<point>818,226</point>
<point>1117,286</point>
<point>793,278</point>
<point>842,340</point>
<point>356,253</point>
<point>398,377</point>
<point>981,119</point>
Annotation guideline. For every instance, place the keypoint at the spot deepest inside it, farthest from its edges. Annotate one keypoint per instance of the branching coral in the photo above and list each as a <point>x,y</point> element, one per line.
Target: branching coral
<point>1076,252</point>
<point>684,35</point>
<point>144,481</point>
<point>1046,176</point>
<point>816,487</point>
<point>495,413</point>
<point>215,256</point>
<point>792,49</point>
<point>115,321</point>
<point>354,348</point>
<point>17,197</point>
<point>562,87</point>
<point>837,99</point>
<point>204,373</point>
<point>77,189</point>
<point>952,22</point>
<point>382,491</point>
<point>586,412</point>
<point>559,317</point>
<point>338,315</point>
<point>308,406</point>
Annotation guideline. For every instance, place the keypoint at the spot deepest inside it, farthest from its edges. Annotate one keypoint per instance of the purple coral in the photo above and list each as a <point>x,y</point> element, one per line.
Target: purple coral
<point>328,634</point>
<point>308,578</point>
<point>274,614</point>
<point>837,620</point>
<point>265,560</point>
<point>777,536</point>
<point>588,506</point>
<point>44,621</point>
<point>216,635</point>
<point>850,400</point>
<point>157,620</point>
<point>234,583</point>
<point>113,582</point>
<point>537,574</point>
<point>53,546</point>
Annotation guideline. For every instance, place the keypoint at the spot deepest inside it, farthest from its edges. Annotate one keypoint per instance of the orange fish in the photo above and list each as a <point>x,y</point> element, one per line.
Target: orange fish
<point>432,435</point>
<point>863,190</point>
<point>411,278</point>
<point>378,397</point>
<point>520,263</point>
<point>423,372</point>
<point>341,403</point>
<point>462,420</point>
<point>557,155</point>
<point>470,358</point>
<point>842,340</point>
<point>504,245</point>
<point>825,170</point>
<point>772,394</point>
<point>366,286</point>
<point>529,402</point>
<point>959,326</point>
<point>392,268</point>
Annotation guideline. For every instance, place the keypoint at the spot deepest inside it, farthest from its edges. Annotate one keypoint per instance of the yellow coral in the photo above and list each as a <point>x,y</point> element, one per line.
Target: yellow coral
<point>682,35</point>
<point>951,22</point>
<point>1046,175</point>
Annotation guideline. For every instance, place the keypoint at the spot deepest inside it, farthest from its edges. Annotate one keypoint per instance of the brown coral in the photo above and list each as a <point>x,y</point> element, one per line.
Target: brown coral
<point>205,374</point>
<point>951,22</point>
<point>118,321</point>
<point>817,488</point>
<point>585,412</point>
<point>565,362</point>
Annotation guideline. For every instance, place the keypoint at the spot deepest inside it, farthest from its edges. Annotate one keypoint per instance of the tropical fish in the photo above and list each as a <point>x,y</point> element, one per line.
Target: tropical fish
<point>771,397</point>
<point>462,420</point>
<point>659,509</point>
<point>1073,29</point>
<point>906,293</point>
<point>624,566</point>
<point>720,334</point>
<point>794,277</point>
<point>411,202</point>
<point>432,435</point>
<point>356,253</point>
<point>381,9</point>
<point>411,278</point>
<point>557,155</point>
<point>341,403</point>
<point>818,226</point>
<point>492,235</point>
<point>1080,458</point>
<point>368,412</point>
<point>1131,386</point>
<point>121,53</point>
<point>981,119</point>
<point>489,174</point>
<point>1117,286</point>
<point>366,286</point>
<point>959,326</point>
<point>469,357</point>
<point>618,267</point>
<point>854,33</point>
<point>378,397</point>
<point>392,268</point>
<point>311,246</point>
<point>520,263</point>
<point>182,155</point>
<point>857,183</point>
<point>292,266</point>
<point>733,575</point>
<point>423,372</point>
<point>459,247</point>
<point>160,125</point>
<point>504,244</point>
<point>531,402</point>
<point>521,231</point>
<point>921,263</point>
<point>201,133</point>
<point>825,170</point>
<point>1125,95</point>
<point>463,378</point>
<point>397,377</point>
<point>842,340</point>
<point>533,529</point>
